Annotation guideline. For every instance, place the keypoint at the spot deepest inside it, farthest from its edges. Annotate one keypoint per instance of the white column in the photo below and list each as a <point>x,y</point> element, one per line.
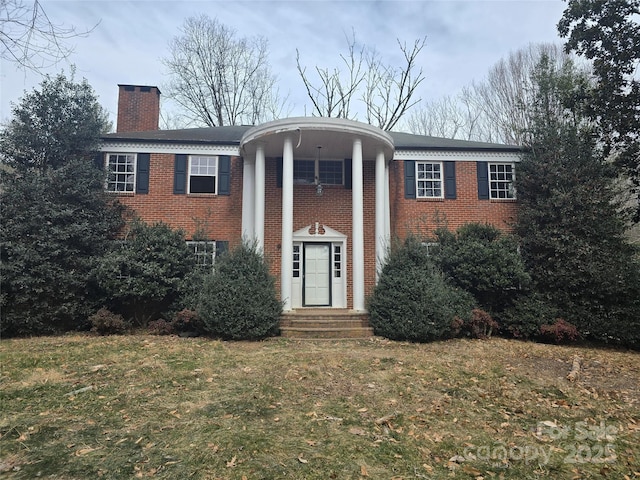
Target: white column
<point>259,198</point>
<point>286,263</point>
<point>380,213</point>
<point>248,202</point>
<point>357,230</point>
<point>387,208</point>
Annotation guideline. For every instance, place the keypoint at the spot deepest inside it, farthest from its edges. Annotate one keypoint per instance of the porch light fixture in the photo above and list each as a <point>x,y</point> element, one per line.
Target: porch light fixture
<point>319,187</point>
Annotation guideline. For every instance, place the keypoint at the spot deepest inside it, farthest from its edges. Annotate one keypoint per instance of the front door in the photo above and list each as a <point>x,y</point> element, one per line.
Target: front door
<point>317,275</point>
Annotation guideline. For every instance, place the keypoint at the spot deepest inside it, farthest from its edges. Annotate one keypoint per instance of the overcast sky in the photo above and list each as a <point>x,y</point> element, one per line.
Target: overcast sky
<point>464,38</point>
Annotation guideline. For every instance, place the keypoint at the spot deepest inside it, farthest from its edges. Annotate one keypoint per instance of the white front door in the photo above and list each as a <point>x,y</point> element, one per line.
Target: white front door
<point>317,274</point>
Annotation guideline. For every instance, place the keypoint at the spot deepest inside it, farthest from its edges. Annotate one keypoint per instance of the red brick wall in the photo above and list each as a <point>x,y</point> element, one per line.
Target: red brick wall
<point>219,215</point>
<point>138,108</point>
<point>332,209</point>
<point>422,216</point>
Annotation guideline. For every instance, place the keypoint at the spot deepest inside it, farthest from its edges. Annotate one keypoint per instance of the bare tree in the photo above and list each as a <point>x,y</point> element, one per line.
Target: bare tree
<point>387,92</point>
<point>219,79</point>
<point>495,109</point>
<point>30,39</point>
<point>331,96</point>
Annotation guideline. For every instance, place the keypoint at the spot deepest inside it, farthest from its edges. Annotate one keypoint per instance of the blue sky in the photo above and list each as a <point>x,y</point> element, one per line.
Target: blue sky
<point>464,38</point>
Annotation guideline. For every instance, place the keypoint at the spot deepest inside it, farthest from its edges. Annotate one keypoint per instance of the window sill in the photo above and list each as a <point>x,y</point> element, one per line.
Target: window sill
<point>503,200</point>
<point>429,199</point>
<point>121,194</point>
<point>209,195</point>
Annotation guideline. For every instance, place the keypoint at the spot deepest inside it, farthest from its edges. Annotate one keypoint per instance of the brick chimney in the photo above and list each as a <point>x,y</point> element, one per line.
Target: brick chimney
<point>138,108</point>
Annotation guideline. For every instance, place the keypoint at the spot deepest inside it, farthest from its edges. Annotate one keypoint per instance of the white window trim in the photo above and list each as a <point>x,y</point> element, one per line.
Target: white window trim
<point>134,173</point>
<point>513,178</point>
<point>426,180</point>
<point>217,175</point>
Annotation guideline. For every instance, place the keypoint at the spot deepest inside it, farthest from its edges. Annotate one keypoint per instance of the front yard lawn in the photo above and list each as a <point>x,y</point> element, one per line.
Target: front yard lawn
<point>80,407</point>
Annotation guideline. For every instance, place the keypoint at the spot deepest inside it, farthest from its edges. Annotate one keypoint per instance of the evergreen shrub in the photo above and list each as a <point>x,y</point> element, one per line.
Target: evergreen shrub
<point>239,298</point>
<point>526,316</point>
<point>413,300</point>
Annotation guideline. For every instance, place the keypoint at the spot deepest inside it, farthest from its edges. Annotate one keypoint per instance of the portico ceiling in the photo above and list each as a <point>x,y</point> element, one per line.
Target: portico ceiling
<point>334,135</point>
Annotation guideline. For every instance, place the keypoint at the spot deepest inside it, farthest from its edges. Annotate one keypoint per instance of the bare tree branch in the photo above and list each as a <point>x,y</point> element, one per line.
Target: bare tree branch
<point>219,79</point>
<point>30,39</point>
<point>386,92</point>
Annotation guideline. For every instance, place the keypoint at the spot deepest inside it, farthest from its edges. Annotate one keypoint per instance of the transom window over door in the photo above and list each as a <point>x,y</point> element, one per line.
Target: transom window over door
<point>203,174</point>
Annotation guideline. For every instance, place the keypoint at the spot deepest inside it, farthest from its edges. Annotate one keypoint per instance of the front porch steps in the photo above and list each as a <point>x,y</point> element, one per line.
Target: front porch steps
<point>325,323</point>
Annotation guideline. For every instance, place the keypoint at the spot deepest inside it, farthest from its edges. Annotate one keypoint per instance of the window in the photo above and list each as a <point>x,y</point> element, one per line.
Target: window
<point>432,248</point>
<point>121,172</point>
<point>304,171</point>
<point>328,172</point>
<point>337,261</point>
<point>205,253</point>
<point>203,174</point>
<point>296,261</point>
<point>501,177</point>
<point>429,180</point>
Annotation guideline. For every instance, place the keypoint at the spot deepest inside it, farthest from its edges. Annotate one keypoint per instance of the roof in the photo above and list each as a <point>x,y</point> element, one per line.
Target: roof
<point>231,135</point>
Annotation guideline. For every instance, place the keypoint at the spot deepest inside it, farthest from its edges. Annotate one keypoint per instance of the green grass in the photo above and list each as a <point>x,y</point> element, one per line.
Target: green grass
<point>167,407</point>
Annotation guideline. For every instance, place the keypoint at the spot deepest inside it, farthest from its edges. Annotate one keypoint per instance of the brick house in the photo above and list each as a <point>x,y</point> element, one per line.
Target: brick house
<point>321,196</point>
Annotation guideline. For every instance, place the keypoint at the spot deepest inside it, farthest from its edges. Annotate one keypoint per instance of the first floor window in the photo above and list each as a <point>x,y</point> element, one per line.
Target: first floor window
<point>296,261</point>
<point>205,253</point>
<point>121,172</point>
<point>337,261</point>
<point>501,177</point>
<point>429,180</point>
<point>203,174</point>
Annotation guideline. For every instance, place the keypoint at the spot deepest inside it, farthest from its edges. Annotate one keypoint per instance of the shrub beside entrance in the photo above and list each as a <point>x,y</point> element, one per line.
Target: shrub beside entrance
<point>413,300</point>
<point>239,299</point>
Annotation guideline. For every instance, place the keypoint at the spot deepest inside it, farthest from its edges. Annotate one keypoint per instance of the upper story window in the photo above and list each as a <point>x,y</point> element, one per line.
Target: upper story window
<point>429,180</point>
<point>203,174</point>
<point>326,172</point>
<point>121,172</point>
<point>501,177</point>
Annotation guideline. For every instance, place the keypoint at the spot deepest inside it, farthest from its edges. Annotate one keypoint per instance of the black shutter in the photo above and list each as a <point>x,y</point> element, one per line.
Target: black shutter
<point>180,175</point>
<point>98,160</point>
<point>224,175</point>
<point>142,174</point>
<point>279,172</point>
<point>222,246</point>
<point>483,180</point>
<point>409,179</point>
<point>348,174</point>
<point>450,180</point>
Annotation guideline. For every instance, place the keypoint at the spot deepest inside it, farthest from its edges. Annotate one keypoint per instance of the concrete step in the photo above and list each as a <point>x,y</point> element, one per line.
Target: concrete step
<point>325,323</point>
<point>325,333</point>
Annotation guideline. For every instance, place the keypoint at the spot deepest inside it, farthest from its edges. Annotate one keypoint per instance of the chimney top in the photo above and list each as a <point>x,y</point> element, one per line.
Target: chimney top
<point>138,108</point>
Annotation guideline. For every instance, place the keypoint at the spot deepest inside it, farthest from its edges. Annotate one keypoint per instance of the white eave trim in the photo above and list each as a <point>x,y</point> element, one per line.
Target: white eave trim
<point>184,148</point>
<point>456,155</point>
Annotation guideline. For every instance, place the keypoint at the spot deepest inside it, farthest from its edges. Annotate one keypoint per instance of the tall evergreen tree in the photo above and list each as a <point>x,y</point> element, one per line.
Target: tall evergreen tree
<point>571,219</point>
<point>56,217</point>
<point>607,32</point>
<point>53,124</point>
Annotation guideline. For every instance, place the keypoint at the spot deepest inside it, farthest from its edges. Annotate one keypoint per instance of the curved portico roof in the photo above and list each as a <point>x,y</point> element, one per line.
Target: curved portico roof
<point>311,136</point>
